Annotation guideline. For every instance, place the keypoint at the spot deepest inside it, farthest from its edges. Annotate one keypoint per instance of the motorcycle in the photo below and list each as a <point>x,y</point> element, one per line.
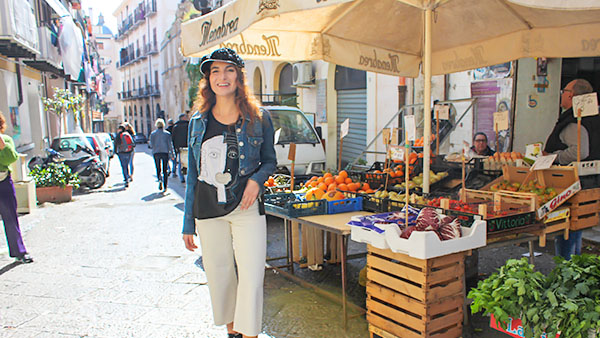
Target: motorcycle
<point>88,167</point>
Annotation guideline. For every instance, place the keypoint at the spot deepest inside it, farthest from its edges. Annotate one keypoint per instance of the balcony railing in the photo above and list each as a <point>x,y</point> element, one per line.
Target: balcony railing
<point>155,90</point>
<point>152,48</point>
<point>150,7</point>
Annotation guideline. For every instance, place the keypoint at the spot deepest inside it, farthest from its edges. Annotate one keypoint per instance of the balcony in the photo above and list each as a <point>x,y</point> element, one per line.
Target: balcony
<point>18,38</point>
<point>124,95</point>
<point>155,91</point>
<point>125,26</point>
<point>49,59</point>
<point>152,48</point>
<point>150,8</point>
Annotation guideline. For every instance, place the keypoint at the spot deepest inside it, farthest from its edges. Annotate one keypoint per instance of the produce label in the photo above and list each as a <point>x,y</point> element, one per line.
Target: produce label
<point>509,222</point>
<point>559,199</point>
<point>543,162</point>
<point>442,111</point>
<point>344,128</point>
<point>501,120</point>
<point>586,103</point>
<point>410,127</point>
<point>396,153</point>
<point>514,328</point>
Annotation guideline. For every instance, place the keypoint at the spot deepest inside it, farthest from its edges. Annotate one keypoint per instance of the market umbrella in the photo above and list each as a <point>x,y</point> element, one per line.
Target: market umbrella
<point>400,37</point>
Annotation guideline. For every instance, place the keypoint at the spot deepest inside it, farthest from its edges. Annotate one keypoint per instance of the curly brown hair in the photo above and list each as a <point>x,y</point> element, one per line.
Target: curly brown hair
<point>2,123</point>
<point>244,99</point>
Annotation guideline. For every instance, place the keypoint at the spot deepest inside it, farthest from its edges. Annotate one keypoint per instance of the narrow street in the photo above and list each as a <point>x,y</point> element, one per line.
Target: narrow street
<point>111,263</point>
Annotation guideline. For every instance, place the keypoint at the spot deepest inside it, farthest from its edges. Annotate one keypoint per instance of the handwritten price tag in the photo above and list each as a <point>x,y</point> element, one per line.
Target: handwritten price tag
<point>386,136</point>
<point>543,162</point>
<point>586,103</point>
<point>397,153</point>
<point>292,152</point>
<point>410,128</point>
<point>501,120</point>
<point>442,111</point>
<point>344,128</point>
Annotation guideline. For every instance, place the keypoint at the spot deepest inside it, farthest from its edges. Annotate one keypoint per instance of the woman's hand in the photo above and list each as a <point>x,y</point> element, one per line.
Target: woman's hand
<point>189,242</point>
<point>250,194</point>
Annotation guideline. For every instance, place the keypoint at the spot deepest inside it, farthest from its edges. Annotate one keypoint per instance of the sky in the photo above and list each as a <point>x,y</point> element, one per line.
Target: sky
<point>106,7</point>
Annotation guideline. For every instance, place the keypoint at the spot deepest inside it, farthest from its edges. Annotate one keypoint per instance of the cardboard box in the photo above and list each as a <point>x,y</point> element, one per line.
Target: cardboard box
<point>26,196</point>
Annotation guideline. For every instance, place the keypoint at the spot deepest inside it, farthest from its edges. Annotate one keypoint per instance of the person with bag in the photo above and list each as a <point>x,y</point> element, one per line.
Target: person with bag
<point>129,129</point>
<point>8,198</point>
<point>124,145</point>
<point>230,155</point>
<point>180,134</point>
<point>162,149</point>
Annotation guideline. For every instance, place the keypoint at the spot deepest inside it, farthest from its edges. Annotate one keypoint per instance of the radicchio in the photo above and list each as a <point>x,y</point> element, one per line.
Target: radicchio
<point>428,219</point>
<point>450,230</point>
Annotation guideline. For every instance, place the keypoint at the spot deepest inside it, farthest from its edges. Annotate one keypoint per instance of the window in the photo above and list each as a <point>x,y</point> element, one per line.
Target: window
<point>294,127</point>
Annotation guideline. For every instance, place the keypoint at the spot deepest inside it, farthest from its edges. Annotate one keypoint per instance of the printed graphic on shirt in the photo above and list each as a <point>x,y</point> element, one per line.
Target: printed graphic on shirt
<point>213,159</point>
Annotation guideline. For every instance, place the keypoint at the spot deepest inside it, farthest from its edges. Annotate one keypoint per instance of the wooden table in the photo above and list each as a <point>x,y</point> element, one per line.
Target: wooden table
<point>334,223</point>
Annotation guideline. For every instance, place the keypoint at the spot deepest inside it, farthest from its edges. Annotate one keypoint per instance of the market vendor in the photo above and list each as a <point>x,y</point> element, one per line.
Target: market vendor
<point>563,142</point>
<point>563,138</point>
<point>480,145</point>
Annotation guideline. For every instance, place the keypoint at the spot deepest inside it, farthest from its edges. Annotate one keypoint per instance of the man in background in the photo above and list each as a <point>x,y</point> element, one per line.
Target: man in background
<point>180,134</point>
<point>169,128</point>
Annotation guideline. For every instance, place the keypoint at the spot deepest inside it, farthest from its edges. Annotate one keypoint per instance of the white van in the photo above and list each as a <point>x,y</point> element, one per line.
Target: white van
<point>295,128</point>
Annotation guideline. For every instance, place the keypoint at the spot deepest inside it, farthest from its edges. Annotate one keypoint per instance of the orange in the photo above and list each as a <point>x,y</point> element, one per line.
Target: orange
<point>322,186</point>
<point>327,175</point>
<point>343,187</point>
<point>354,186</point>
<point>313,184</point>
<point>377,172</point>
<point>348,180</point>
<point>339,179</point>
<point>313,178</point>
<point>329,180</point>
<point>320,179</point>
<point>366,186</point>
<point>343,173</point>
<point>334,196</point>
<point>314,194</point>
<point>332,187</point>
<point>370,191</point>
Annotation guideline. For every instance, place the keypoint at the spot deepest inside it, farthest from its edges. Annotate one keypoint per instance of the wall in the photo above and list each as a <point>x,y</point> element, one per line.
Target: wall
<point>459,87</point>
<point>536,111</point>
<point>382,104</point>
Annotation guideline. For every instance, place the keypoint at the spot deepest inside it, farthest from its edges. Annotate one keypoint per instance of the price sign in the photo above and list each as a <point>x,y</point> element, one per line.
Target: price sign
<point>386,136</point>
<point>586,103</point>
<point>543,162</point>
<point>397,153</point>
<point>292,152</point>
<point>276,136</point>
<point>410,127</point>
<point>442,111</point>
<point>501,120</point>
<point>345,127</point>
<point>394,139</point>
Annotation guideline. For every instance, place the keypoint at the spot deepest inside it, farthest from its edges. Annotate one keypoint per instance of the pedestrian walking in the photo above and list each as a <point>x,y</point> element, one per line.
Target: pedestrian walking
<point>230,155</point>
<point>124,145</point>
<point>162,149</point>
<point>180,140</point>
<point>8,198</point>
<point>169,128</point>
<point>131,131</point>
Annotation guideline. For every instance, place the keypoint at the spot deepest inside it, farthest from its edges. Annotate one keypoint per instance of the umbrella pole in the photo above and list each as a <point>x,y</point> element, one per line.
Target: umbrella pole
<point>427,100</point>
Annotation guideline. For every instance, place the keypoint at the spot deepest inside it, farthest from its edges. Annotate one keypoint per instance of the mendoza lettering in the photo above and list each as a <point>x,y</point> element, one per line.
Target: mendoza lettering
<point>390,64</point>
<point>267,48</point>
<point>209,34</point>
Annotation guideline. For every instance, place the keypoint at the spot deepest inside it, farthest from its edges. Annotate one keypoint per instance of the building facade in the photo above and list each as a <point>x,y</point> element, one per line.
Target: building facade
<point>141,26</point>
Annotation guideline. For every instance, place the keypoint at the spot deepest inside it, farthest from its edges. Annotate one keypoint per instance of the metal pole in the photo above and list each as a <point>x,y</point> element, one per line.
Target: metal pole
<point>427,100</point>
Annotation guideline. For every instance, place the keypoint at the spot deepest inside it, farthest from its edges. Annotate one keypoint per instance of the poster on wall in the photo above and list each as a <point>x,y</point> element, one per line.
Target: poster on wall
<point>492,96</point>
<point>15,122</point>
<point>492,72</point>
<point>322,101</point>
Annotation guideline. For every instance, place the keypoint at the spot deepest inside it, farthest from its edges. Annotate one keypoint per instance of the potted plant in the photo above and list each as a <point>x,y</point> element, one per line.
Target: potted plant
<point>54,182</point>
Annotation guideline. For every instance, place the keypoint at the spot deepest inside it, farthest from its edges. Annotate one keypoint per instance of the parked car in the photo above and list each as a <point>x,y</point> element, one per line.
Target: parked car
<point>109,143</point>
<point>140,138</point>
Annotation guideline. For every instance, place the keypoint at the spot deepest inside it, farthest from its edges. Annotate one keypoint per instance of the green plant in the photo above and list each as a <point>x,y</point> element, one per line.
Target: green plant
<point>63,101</point>
<point>54,175</point>
<point>566,301</point>
<point>194,74</point>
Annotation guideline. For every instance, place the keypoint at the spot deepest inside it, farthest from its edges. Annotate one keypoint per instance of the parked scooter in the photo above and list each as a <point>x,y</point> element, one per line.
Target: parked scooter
<point>88,167</point>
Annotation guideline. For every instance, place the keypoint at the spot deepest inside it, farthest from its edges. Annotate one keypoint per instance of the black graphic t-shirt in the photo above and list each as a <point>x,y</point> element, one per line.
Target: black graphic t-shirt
<point>219,188</point>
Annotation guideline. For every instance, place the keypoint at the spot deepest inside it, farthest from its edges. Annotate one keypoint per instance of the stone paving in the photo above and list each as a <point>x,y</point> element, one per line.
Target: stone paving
<point>111,263</point>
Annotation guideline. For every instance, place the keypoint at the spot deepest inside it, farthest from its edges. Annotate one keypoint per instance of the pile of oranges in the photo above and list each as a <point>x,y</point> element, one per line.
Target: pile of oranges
<point>419,142</point>
<point>341,181</point>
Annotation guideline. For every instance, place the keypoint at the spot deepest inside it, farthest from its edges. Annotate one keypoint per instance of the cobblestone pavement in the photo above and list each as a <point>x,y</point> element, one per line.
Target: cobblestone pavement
<point>111,263</point>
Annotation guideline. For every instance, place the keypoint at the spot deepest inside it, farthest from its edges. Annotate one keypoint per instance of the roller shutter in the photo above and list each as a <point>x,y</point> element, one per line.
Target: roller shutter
<point>352,104</point>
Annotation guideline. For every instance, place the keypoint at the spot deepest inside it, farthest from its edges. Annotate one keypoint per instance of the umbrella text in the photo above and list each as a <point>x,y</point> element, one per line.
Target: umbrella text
<point>226,28</point>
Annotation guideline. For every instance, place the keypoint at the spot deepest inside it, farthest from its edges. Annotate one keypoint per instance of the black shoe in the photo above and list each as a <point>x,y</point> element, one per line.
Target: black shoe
<point>126,184</point>
<point>25,259</point>
<point>160,185</point>
<point>234,335</point>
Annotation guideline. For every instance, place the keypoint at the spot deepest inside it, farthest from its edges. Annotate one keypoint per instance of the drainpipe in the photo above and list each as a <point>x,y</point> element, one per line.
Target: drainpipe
<point>19,88</point>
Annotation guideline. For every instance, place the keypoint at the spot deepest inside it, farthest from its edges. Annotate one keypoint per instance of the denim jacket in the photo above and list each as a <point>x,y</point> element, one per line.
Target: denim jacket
<point>257,157</point>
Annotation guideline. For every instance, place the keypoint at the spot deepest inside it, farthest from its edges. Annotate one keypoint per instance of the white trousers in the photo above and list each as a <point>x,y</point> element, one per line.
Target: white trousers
<point>241,235</point>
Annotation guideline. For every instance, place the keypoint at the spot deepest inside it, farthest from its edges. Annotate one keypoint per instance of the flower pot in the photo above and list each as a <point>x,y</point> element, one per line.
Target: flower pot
<point>54,194</point>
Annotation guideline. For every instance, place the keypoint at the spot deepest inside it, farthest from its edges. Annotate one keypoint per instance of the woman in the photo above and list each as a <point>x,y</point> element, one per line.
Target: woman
<point>162,149</point>
<point>131,131</point>
<point>8,198</point>
<point>230,155</point>
<point>124,148</point>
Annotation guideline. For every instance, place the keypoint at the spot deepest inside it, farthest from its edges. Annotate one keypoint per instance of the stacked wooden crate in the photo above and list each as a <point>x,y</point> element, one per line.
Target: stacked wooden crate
<point>585,209</point>
<point>409,297</point>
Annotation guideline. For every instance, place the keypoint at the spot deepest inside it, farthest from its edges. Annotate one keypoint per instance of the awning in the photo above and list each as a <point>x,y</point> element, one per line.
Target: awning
<point>58,8</point>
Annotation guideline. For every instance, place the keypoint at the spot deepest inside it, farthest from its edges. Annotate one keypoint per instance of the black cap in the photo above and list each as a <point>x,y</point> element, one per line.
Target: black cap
<point>223,55</point>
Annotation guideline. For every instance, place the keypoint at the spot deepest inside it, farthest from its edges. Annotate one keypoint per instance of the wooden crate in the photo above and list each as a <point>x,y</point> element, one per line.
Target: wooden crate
<point>585,209</point>
<point>409,297</point>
